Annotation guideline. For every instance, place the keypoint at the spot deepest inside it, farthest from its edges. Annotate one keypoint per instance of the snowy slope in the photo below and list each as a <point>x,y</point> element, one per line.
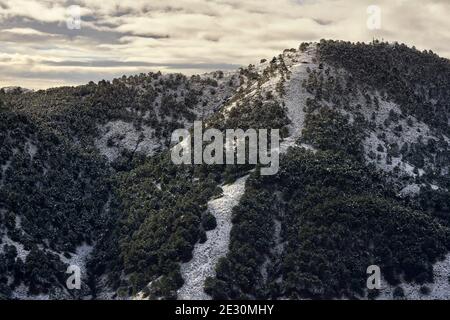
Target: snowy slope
<point>207,254</point>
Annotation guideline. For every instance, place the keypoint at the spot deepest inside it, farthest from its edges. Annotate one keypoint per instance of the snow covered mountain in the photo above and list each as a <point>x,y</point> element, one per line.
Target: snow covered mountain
<point>86,180</point>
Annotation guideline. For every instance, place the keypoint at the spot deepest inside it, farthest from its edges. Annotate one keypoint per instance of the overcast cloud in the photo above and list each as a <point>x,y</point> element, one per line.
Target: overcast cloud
<point>38,50</point>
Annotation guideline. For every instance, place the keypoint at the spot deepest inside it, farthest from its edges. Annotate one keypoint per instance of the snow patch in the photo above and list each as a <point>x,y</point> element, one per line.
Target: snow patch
<point>21,252</point>
<point>439,290</point>
<point>206,255</point>
<point>31,149</point>
<point>79,258</point>
<point>410,190</point>
<point>21,293</point>
<point>118,135</point>
<point>296,95</point>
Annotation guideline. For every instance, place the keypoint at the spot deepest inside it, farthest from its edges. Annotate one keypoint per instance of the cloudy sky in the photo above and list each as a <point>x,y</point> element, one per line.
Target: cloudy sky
<point>41,45</point>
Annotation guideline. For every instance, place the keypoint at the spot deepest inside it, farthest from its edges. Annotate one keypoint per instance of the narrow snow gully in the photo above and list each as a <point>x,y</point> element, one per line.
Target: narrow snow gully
<point>206,255</point>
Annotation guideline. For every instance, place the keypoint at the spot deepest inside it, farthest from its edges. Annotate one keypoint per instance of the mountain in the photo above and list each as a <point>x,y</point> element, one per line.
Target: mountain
<point>86,179</point>
<point>15,89</point>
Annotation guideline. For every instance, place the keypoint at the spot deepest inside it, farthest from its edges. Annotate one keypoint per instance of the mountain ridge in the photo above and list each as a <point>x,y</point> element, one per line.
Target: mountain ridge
<point>356,137</point>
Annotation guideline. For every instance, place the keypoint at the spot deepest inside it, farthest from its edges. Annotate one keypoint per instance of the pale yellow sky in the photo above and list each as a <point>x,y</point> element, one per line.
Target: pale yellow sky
<point>40,49</point>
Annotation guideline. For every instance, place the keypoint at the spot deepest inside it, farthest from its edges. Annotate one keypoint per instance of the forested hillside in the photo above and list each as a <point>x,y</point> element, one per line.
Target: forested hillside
<point>58,176</point>
<point>86,178</point>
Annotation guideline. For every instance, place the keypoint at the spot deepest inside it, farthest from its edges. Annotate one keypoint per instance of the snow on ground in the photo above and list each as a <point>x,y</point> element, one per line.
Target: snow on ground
<point>410,190</point>
<point>439,290</point>
<point>31,149</point>
<point>21,252</point>
<point>18,222</point>
<point>371,143</point>
<point>296,95</point>
<point>105,291</point>
<point>295,102</point>
<point>124,135</point>
<point>21,293</point>
<point>206,255</point>
<point>409,135</point>
<point>218,96</point>
<point>79,258</point>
